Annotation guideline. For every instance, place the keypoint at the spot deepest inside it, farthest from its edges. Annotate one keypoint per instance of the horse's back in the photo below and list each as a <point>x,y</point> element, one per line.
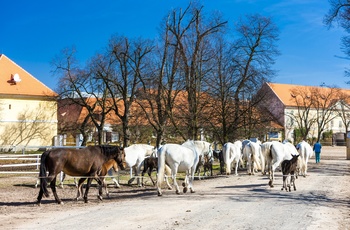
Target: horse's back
<point>134,154</point>
<point>75,162</point>
<point>278,150</point>
<point>178,154</point>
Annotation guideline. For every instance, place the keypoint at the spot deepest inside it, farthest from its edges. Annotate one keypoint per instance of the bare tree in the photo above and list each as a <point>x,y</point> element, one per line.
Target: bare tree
<point>302,118</point>
<point>122,77</point>
<point>339,13</point>
<point>161,87</point>
<point>192,37</point>
<point>81,87</point>
<point>253,55</point>
<point>314,108</point>
<point>323,100</point>
<point>343,108</point>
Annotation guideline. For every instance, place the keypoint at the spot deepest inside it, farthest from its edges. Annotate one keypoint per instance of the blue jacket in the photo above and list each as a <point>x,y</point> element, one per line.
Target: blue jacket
<point>317,147</point>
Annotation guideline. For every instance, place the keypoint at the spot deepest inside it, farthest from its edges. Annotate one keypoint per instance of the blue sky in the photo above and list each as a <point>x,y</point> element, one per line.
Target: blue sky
<point>32,33</point>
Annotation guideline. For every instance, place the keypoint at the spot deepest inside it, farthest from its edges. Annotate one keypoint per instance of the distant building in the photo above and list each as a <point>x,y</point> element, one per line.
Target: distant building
<point>28,108</point>
<point>282,102</point>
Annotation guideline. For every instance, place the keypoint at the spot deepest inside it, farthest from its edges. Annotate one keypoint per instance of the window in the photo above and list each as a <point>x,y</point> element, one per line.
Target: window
<point>340,124</point>
<point>9,106</point>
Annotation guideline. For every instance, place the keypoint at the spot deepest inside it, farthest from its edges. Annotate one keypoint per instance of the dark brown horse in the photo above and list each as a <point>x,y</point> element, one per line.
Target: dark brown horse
<point>85,163</point>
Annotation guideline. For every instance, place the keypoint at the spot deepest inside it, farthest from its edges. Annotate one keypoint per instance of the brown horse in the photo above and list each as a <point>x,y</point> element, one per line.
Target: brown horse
<point>102,173</point>
<point>85,163</point>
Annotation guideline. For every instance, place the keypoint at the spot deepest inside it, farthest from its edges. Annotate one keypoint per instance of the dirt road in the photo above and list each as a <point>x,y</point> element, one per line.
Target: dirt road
<point>322,201</point>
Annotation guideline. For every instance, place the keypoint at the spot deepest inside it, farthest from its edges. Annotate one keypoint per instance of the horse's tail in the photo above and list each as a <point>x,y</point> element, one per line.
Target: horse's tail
<point>42,174</point>
<point>226,157</point>
<point>255,153</point>
<point>161,166</point>
<point>262,160</point>
<point>269,152</point>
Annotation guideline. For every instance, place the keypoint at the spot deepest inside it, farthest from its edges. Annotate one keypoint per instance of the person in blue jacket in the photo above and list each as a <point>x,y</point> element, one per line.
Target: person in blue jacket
<point>317,149</point>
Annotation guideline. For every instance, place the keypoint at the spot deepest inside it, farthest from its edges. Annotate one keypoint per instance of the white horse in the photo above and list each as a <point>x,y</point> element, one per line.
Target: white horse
<point>305,151</point>
<point>254,158</point>
<point>278,153</point>
<point>181,158</point>
<point>265,151</point>
<point>205,151</point>
<point>134,157</point>
<point>232,152</point>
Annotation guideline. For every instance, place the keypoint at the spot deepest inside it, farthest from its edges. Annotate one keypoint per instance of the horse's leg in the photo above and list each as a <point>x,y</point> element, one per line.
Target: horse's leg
<point>190,181</point>
<point>138,170</point>
<point>236,168</point>
<point>292,180</point>
<point>88,184</point>
<point>101,184</point>
<point>117,185</point>
<point>249,167</point>
<point>273,168</point>
<point>173,176</point>
<point>167,174</point>
<point>306,161</point>
<point>131,177</point>
<point>105,186</point>
<point>62,177</point>
<point>150,170</point>
<point>253,166</point>
<point>53,188</point>
<point>80,188</point>
<point>185,184</point>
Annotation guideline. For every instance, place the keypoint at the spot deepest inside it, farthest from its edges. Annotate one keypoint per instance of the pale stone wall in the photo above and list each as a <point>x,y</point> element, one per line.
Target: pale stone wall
<point>27,121</point>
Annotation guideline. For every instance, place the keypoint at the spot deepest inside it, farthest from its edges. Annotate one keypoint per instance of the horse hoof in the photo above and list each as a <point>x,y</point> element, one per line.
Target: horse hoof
<point>270,183</point>
<point>185,189</point>
<point>99,197</point>
<point>159,194</point>
<point>192,191</point>
<point>178,192</point>
<point>131,180</point>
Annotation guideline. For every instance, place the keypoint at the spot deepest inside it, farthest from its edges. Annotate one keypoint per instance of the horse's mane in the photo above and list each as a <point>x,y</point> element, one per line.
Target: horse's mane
<point>109,149</point>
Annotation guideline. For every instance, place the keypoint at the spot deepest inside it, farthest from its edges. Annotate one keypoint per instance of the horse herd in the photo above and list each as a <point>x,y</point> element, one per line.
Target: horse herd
<point>94,162</point>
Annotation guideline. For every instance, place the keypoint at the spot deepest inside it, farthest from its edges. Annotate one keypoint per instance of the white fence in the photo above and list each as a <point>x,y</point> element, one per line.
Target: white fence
<point>30,159</point>
<point>27,160</point>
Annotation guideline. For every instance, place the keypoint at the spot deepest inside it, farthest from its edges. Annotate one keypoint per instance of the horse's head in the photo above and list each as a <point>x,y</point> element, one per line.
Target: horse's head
<point>120,158</point>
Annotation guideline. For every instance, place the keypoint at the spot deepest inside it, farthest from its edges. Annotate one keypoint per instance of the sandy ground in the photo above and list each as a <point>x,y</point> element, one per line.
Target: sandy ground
<point>222,202</point>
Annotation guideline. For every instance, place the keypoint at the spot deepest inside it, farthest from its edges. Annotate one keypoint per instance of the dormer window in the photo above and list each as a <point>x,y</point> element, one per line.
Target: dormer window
<point>14,79</point>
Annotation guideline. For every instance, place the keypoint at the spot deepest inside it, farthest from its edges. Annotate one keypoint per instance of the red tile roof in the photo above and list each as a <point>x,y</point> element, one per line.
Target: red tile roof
<point>28,85</point>
<point>284,91</point>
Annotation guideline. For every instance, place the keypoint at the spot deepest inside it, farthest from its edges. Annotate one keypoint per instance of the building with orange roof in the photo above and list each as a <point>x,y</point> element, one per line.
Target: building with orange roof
<point>28,108</point>
<point>284,100</point>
